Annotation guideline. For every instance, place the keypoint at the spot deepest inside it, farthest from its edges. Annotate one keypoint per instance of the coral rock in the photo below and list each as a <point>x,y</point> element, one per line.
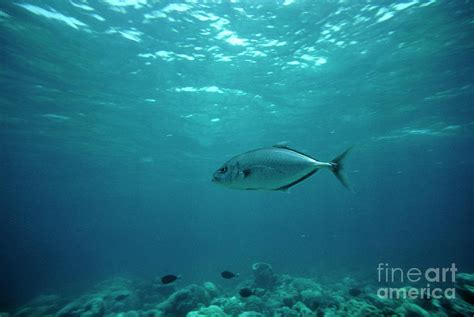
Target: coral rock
<point>185,300</point>
<point>465,287</point>
<point>302,310</point>
<point>412,310</point>
<point>94,307</point>
<point>211,289</point>
<point>211,311</point>
<point>251,314</point>
<point>264,276</point>
<point>231,305</point>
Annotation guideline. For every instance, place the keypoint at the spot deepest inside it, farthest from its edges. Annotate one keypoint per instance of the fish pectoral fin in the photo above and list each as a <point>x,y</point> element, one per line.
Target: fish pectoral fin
<point>246,172</point>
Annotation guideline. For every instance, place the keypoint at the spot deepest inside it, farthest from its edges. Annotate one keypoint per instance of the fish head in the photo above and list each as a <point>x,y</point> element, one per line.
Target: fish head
<point>227,174</point>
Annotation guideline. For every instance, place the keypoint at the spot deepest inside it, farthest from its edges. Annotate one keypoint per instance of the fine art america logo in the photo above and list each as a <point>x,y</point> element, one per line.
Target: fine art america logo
<point>433,280</point>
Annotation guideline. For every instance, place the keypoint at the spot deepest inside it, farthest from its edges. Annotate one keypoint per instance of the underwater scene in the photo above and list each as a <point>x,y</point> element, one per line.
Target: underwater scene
<point>282,158</point>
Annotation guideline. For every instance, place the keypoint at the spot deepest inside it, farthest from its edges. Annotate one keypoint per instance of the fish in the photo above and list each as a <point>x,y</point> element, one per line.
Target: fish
<point>276,168</point>
<point>355,291</point>
<point>167,279</point>
<point>246,292</point>
<point>228,275</point>
<point>121,297</point>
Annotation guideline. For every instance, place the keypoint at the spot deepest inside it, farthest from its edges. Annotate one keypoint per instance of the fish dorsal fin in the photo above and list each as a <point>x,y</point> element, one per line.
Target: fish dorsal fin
<point>284,145</point>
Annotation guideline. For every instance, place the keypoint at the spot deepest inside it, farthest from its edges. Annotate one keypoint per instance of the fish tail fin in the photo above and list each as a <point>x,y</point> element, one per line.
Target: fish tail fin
<point>337,167</point>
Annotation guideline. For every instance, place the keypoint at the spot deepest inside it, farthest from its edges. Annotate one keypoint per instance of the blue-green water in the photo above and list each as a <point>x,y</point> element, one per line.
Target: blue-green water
<point>114,114</point>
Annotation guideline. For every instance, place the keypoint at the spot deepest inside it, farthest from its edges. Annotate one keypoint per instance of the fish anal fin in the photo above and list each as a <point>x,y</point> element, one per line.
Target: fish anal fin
<point>287,187</point>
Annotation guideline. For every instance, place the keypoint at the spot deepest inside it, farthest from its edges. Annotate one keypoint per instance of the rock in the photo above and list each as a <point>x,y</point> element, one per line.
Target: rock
<point>231,305</point>
<point>119,295</point>
<point>94,308</point>
<point>454,307</point>
<point>42,305</point>
<point>302,310</point>
<point>111,296</point>
<point>211,311</point>
<point>288,300</point>
<point>277,296</point>
<point>254,303</point>
<point>264,276</point>
<point>164,290</point>
<point>131,313</point>
<point>347,282</point>
<point>301,284</point>
<point>152,313</point>
<point>285,294</point>
<point>355,308</point>
<point>251,314</point>
<point>462,303</point>
<point>312,298</point>
<point>83,307</point>
<point>285,312</point>
<point>43,300</point>
<point>412,310</point>
<point>28,312</point>
<point>465,287</point>
<point>152,293</point>
<point>211,289</point>
<point>380,302</point>
<point>185,300</point>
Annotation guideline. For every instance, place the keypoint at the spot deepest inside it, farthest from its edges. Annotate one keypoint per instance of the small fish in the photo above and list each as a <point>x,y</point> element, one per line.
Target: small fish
<point>121,297</point>
<point>246,292</point>
<point>167,279</point>
<point>274,168</point>
<point>229,275</point>
<point>355,291</point>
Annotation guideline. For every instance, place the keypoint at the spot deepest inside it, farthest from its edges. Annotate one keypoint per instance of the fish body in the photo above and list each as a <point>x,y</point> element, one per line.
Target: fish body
<point>121,297</point>
<point>167,279</point>
<point>228,275</point>
<point>274,168</point>
<point>246,292</point>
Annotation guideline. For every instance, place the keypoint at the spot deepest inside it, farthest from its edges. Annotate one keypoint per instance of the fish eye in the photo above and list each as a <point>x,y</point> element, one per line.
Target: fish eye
<point>223,170</point>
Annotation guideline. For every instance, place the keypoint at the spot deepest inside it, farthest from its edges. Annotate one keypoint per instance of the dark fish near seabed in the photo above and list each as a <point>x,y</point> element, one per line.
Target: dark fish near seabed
<point>246,292</point>
<point>167,279</point>
<point>355,291</point>
<point>121,297</point>
<point>228,275</point>
<point>274,168</point>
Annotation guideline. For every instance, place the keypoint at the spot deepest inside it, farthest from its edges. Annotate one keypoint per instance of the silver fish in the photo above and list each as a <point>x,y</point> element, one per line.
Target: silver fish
<point>274,168</point>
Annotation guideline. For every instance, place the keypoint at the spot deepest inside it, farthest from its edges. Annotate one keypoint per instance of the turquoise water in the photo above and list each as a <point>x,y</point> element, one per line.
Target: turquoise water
<point>115,113</point>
